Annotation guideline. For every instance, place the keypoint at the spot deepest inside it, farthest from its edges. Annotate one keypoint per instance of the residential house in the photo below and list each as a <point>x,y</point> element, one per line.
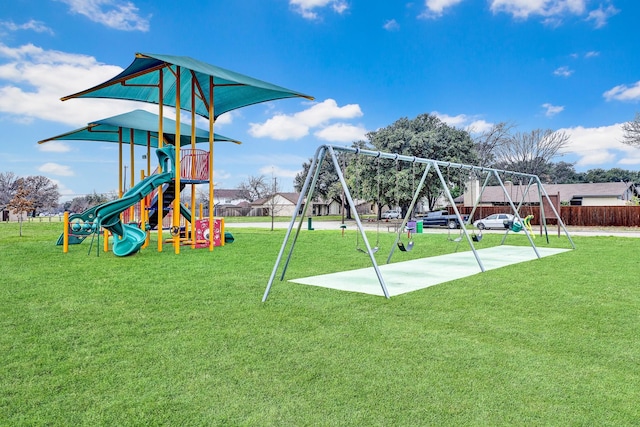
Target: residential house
<point>331,207</point>
<point>587,194</point>
<point>278,204</point>
<point>230,203</point>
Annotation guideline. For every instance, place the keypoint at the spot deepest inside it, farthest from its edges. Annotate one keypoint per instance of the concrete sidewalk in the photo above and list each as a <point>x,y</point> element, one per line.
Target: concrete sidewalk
<point>408,276</point>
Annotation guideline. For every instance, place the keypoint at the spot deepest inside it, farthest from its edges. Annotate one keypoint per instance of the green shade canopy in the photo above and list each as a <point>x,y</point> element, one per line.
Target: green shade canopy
<point>141,79</point>
<point>142,123</point>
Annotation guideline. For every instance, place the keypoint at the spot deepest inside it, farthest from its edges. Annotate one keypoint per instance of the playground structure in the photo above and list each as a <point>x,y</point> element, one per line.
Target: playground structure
<point>184,84</point>
<point>311,180</point>
<point>143,213</point>
<point>138,128</point>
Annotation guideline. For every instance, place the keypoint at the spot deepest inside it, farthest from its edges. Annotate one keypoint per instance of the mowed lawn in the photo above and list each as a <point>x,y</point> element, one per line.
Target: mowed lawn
<point>184,340</point>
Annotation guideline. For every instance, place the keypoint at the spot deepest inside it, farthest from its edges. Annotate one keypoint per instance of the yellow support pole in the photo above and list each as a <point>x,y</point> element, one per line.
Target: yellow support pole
<point>143,214</point>
<point>160,140</point>
<point>120,184</point>
<point>148,153</point>
<point>222,242</point>
<point>211,120</point>
<point>176,200</point>
<point>193,164</point>
<point>133,168</point>
<point>65,233</point>
<point>105,239</point>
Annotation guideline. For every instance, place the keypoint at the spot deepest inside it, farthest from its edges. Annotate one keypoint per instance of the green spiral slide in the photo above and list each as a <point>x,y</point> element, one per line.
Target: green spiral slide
<point>107,215</point>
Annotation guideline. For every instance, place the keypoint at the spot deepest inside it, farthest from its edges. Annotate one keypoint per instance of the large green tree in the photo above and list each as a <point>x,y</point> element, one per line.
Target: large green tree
<point>425,136</point>
<point>609,175</point>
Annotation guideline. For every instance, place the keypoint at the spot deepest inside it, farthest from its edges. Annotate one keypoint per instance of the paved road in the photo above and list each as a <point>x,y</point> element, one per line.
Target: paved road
<point>388,226</point>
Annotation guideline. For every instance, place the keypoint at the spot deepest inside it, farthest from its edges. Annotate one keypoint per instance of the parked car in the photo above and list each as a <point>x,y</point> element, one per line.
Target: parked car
<point>442,219</point>
<point>391,214</point>
<point>494,221</point>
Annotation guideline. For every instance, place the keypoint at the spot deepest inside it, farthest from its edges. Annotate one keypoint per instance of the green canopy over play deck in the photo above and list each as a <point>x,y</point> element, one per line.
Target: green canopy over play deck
<point>140,82</point>
<point>136,126</point>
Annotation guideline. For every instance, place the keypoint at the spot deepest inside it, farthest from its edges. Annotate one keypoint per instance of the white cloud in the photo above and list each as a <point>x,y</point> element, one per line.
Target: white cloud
<point>601,16</point>
<point>220,175</point>
<point>479,126</point>
<point>592,54</point>
<point>56,169</point>
<point>632,157</point>
<point>391,25</point>
<point>458,121</point>
<point>595,146</point>
<point>552,110</point>
<point>32,81</point>
<point>116,14</point>
<point>222,120</point>
<point>563,71</point>
<point>327,110</point>
<point>435,8</point>
<point>547,8</point>
<point>470,123</point>
<point>33,25</point>
<point>341,132</point>
<point>295,126</point>
<point>54,147</point>
<point>66,194</point>
<point>306,8</point>
<point>624,93</point>
<point>279,172</point>
<point>280,127</point>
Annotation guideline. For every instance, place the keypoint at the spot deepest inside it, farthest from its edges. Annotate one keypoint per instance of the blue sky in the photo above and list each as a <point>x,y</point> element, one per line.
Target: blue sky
<point>570,65</point>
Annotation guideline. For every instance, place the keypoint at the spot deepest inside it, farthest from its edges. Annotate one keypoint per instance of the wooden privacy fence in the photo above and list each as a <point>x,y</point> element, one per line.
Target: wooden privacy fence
<point>581,216</point>
<point>601,216</point>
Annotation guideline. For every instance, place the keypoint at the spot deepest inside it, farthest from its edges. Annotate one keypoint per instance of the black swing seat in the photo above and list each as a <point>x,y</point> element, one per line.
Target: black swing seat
<point>404,248</point>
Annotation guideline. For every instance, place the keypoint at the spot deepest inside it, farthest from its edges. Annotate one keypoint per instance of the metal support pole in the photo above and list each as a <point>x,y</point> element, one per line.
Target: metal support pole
<point>557,214</point>
<point>413,202</point>
<point>352,205</point>
<point>516,212</point>
<point>319,154</point>
<point>459,217</point>
<point>309,198</point>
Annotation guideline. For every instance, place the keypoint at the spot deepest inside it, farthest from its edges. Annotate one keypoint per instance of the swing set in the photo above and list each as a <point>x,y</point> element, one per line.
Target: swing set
<point>309,186</point>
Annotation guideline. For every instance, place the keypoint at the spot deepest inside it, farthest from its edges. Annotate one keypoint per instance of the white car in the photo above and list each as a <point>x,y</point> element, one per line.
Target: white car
<point>493,221</point>
<point>391,214</point>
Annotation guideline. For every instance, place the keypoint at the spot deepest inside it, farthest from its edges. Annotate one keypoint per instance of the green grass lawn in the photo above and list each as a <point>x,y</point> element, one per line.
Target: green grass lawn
<point>184,340</point>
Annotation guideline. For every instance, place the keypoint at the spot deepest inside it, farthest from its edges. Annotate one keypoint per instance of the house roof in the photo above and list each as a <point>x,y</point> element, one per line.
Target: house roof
<point>495,194</point>
<point>292,197</point>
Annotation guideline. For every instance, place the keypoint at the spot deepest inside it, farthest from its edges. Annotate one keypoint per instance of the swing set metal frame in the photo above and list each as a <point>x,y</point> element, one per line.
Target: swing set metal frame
<point>309,186</point>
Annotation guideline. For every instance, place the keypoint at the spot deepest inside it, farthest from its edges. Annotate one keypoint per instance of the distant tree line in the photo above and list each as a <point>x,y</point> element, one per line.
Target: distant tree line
<point>34,195</point>
<point>29,195</point>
